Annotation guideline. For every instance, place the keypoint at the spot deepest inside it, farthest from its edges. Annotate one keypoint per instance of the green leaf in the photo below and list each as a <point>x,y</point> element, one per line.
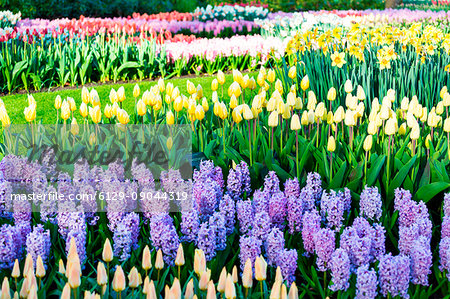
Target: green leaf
<point>429,191</point>
<point>401,175</point>
<point>374,171</point>
<point>338,178</point>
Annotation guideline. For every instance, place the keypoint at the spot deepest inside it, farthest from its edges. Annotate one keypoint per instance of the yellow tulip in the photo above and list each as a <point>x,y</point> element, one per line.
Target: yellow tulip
<point>402,129</point>
<point>390,127</point>
<point>348,87</point>
<point>65,110</point>
<point>108,111</point>
<point>271,76</point>
<point>175,93</point>
<point>331,146</point>
<point>291,99</point>
<point>360,94</point>
<point>331,96</point>
<point>260,268</point>
<point>74,128</point>
<point>279,86</point>
<point>178,104</point>
<point>161,85</point>
<point>199,91</point>
<point>220,77</point>
<point>273,119</point>
<point>304,84</point>
<point>199,261</point>
<point>199,113</point>
<point>121,94</point>
<point>85,95</point>
<point>320,110</point>
<point>112,96</point>
<point>368,143</point>
<point>312,100</point>
<point>260,79</point>
<point>84,110</point>
<point>236,115</point>
<point>170,118</point>
<point>404,104</point>
<point>298,103</point>
<point>447,125</point>
<point>30,113</point>
<point>292,72</point>
<point>141,108</point>
<point>190,87</point>
<point>440,108</point>
<point>95,113</point>
<point>40,269</point>
<point>123,117</point>
<point>237,76</point>
<point>170,89</point>
<point>214,84</point>
<point>136,91</point>
<point>248,114</point>
<point>350,118</point>
<point>58,102</point>
<point>233,102</point>
<point>245,81</point>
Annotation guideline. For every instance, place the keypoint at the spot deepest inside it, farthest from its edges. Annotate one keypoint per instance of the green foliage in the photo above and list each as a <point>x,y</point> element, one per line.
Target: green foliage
<point>51,9</point>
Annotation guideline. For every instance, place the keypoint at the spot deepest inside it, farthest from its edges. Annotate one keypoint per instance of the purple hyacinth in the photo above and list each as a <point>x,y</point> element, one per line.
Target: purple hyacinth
<point>445,228</point>
<point>340,270</point>
<point>217,224</point>
<point>190,224</point>
<point>378,241</point>
<point>310,226</point>
<point>207,195</point>
<point>287,261</point>
<point>277,209</point>
<point>401,195</point>
<point>227,207</point>
<point>238,181</point>
<point>164,236</point>
<point>292,188</point>
<point>261,201</point>
<point>242,168</point>
<point>38,243</point>
<point>10,245</point>
<point>394,275</point>
<point>421,261</point>
<point>294,214</point>
<point>407,238</point>
<point>346,198</point>
<point>366,283</point>
<point>446,207</point>
<point>332,210</point>
<point>23,230</point>
<point>245,215</point>
<point>131,220</point>
<point>271,183</point>
<point>207,241</point>
<point>250,248</point>
<point>207,170</point>
<point>122,241</point>
<point>274,245</point>
<point>324,244</point>
<point>144,176</point>
<point>370,203</point>
<point>261,225</point>
<point>21,211</point>
<point>444,256</point>
<point>314,182</point>
<point>307,198</point>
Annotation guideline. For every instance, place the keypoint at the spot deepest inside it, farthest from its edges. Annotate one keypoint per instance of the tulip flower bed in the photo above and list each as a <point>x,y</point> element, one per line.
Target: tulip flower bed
<point>324,173</point>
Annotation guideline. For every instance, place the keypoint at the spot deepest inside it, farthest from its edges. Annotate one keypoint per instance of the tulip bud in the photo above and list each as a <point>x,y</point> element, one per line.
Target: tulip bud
<point>211,293</point>
<point>278,275</point>
<point>273,119</point>
<point>260,268</point>
<point>190,87</point>
<point>276,290</point>
<point>136,91</point>
<point>214,85</point>
<point>247,275</point>
<point>279,86</point>
<point>293,291</point>
<point>447,125</point>
<point>107,253</point>
<point>230,290</point>
<point>390,127</point>
<point>402,129</point>
<point>348,87</point>
<point>40,268</point>
<point>368,143</point>
<point>102,277</point>
<point>283,294</point>
<point>331,96</point>
<point>292,72</point>
<point>170,118</point>
<point>271,76</point>
<point>304,84</point>
<point>189,292</point>
<point>5,294</point>
<point>222,281</point>
<point>159,263</point>
<point>350,118</point>
<point>58,102</point>
<point>16,269</point>
<point>85,95</point>
<point>331,147</point>
<point>29,265</point>
<point>295,122</point>
<point>199,113</point>
<point>220,77</point>
<point>234,274</point>
<point>179,260</point>
<point>360,94</point>
<point>133,278</point>
<point>118,282</point>
<point>74,277</point>
<point>141,107</point>
<point>66,292</point>
<point>428,141</point>
<point>151,292</point>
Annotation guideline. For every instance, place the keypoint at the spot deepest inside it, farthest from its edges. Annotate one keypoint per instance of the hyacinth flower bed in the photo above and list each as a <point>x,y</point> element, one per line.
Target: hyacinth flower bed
<point>322,174</point>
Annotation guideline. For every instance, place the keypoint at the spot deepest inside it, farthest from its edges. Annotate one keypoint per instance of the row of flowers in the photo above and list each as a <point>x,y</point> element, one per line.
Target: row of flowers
<point>295,231</point>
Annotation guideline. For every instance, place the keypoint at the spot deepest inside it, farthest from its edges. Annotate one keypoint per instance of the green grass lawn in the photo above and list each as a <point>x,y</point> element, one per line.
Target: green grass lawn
<point>46,112</point>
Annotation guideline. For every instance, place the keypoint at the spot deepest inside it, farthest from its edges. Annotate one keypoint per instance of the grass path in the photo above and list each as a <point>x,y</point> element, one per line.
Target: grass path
<point>46,112</point>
